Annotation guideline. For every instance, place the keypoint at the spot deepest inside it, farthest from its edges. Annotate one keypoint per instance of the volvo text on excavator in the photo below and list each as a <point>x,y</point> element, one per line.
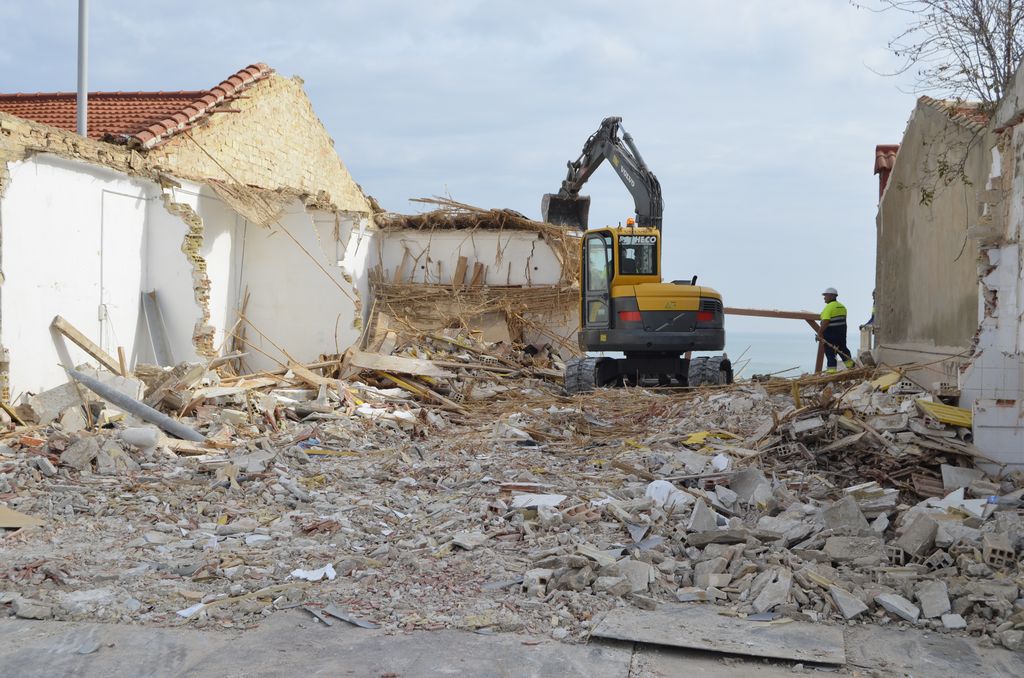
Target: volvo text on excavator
<point>624,305</point>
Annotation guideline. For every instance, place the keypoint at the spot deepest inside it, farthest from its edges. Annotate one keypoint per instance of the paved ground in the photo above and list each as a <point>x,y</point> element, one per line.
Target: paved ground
<point>292,643</point>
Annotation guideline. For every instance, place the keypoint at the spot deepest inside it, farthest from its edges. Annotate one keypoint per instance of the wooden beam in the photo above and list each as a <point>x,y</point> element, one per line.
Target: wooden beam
<point>479,270</point>
<point>121,361</point>
<point>459,277</point>
<point>765,313</point>
<point>83,342</point>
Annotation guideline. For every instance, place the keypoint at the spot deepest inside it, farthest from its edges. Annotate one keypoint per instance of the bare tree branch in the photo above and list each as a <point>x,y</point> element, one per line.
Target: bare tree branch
<point>963,49</point>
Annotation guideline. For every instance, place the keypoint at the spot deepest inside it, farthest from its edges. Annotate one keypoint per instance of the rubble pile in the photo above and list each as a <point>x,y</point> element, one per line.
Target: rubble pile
<point>442,482</point>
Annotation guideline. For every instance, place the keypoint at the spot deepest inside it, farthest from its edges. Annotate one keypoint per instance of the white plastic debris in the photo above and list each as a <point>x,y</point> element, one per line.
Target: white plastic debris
<point>191,611</point>
<point>316,575</point>
<point>535,500</point>
<point>667,495</point>
<point>719,462</point>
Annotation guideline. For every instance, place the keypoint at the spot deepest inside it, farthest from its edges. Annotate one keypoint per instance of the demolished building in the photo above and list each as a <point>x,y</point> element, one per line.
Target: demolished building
<point>193,224</point>
<point>948,271</point>
<point>205,198</point>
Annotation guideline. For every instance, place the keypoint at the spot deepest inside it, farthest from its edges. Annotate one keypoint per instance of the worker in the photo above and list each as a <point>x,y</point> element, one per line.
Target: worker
<point>870,324</point>
<point>833,330</point>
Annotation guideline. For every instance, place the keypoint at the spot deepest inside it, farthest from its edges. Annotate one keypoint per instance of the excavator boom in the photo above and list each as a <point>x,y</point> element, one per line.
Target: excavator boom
<point>569,208</point>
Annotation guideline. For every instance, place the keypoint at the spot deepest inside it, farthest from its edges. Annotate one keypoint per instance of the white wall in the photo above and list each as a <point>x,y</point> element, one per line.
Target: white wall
<point>72,237</point>
<point>299,297</point>
<point>84,242</point>
<point>511,257</point>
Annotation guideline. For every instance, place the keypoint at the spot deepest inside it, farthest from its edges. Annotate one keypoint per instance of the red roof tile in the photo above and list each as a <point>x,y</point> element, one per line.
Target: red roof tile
<point>885,156</point>
<point>138,118</point>
<point>968,113</point>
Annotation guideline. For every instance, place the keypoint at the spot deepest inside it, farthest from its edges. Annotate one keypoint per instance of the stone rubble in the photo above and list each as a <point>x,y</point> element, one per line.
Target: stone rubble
<point>410,501</point>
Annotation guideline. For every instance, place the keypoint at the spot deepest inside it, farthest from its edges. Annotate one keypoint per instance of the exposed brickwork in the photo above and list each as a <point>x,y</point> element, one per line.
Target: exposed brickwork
<point>202,333</point>
<point>20,138</point>
<point>275,142</point>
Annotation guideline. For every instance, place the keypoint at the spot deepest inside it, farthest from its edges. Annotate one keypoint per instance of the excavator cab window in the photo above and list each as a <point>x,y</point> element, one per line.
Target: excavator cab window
<point>598,278</point>
<point>638,254</point>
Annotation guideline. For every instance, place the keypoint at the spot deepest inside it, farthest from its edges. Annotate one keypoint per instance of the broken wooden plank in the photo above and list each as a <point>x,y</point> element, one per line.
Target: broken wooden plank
<point>479,272</point>
<point>459,277</point>
<point>83,342</point>
<point>310,377</point>
<point>422,390</point>
<point>394,363</point>
<point>701,627</point>
<point>122,362</point>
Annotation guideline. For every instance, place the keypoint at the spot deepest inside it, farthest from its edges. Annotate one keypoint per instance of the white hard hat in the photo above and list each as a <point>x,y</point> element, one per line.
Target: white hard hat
<point>830,290</point>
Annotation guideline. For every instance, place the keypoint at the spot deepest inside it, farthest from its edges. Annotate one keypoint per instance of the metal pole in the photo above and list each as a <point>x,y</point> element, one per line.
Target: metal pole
<point>83,67</point>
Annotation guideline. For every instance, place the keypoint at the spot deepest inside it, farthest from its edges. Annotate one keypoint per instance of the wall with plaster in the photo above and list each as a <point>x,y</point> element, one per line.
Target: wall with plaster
<point>926,268</point>
<point>73,242</point>
<point>511,257</point>
<point>300,297</point>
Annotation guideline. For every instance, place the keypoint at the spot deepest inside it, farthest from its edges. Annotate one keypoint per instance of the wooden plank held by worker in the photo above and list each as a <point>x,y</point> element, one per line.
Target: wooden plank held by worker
<point>83,342</point>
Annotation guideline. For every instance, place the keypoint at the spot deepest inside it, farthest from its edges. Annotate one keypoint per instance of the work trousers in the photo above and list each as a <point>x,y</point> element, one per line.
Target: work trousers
<point>835,342</point>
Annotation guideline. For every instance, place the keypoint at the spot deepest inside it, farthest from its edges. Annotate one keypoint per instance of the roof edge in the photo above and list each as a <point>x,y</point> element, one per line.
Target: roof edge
<point>949,109</point>
<point>163,130</point>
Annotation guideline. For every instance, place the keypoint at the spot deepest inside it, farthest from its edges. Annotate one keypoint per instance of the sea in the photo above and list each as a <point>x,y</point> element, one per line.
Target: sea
<point>785,354</point>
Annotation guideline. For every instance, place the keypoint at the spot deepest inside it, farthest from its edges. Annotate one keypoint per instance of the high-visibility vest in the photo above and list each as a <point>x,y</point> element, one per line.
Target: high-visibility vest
<point>835,314</point>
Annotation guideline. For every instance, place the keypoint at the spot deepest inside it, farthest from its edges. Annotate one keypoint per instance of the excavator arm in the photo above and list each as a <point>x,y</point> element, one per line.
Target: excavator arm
<point>569,208</point>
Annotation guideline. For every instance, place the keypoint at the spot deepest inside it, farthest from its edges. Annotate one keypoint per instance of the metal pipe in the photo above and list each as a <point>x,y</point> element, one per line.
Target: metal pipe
<point>82,109</point>
<point>140,410</point>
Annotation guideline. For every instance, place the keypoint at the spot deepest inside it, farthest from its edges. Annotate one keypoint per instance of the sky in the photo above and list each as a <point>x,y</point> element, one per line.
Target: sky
<point>759,118</point>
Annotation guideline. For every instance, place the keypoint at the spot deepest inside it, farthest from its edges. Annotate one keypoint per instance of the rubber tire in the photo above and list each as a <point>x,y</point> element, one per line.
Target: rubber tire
<point>710,370</point>
<point>581,374</point>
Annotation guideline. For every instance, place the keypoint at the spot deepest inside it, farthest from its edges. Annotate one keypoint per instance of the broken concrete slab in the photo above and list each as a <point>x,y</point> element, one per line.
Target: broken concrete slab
<point>955,477</point>
<point>861,551</point>
<point>849,605</point>
<point>919,537</point>
<point>844,515</point>
<point>899,606</point>
<point>702,518</point>
<point>639,574</point>
<point>26,608</point>
<point>933,596</point>
<point>746,482</point>
<point>81,453</point>
<point>954,622</point>
<point>701,627</point>
<point>775,593</point>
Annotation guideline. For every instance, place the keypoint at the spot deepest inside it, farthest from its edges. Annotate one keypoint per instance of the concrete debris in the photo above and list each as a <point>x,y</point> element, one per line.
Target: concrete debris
<point>933,597</point>
<point>844,515</point>
<point>849,606</point>
<point>899,606</point>
<point>486,499</point>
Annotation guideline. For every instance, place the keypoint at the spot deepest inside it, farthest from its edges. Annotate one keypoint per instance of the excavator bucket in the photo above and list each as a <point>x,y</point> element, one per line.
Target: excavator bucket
<point>564,211</point>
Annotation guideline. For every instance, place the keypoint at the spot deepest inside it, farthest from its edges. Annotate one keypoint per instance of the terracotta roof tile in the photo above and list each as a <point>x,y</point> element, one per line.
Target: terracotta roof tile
<point>967,113</point>
<point>138,118</point>
<point>885,156</point>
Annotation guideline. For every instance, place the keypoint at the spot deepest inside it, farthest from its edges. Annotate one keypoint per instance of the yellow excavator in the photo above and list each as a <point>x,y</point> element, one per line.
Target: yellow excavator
<point>624,305</point>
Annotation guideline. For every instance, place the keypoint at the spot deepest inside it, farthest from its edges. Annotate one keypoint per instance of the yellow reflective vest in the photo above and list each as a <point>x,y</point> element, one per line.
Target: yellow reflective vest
<point>835,313</point>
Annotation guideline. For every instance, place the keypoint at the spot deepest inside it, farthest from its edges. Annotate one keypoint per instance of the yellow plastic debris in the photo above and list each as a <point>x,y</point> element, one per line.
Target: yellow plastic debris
<point>947,414</point>
<point>883,382</point>
<point>701,436</point>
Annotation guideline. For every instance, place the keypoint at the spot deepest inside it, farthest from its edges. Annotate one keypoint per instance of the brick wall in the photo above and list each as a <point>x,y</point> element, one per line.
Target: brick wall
<point>275,141</point>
